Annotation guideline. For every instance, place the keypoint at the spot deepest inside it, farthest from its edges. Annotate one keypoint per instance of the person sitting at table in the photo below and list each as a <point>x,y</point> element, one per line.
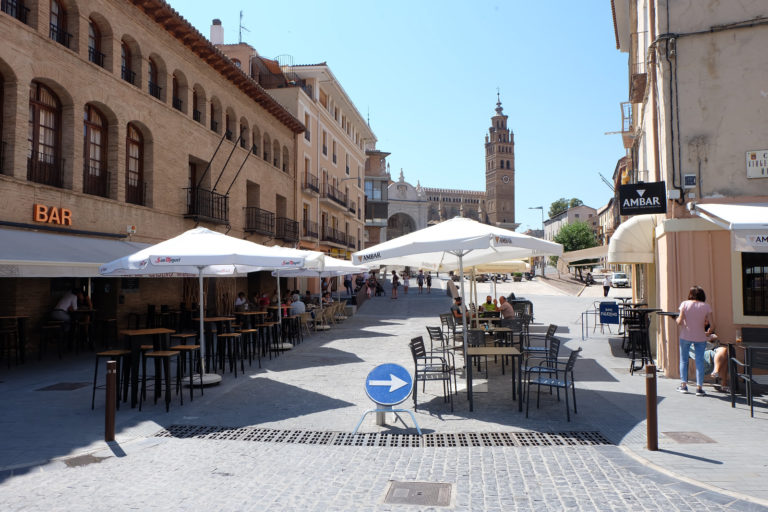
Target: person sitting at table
<point>274,299</point>
<point>297,306</point>
<point>327,299</point>
<point>488,305</point>
<point>307,298</point>
<point>241,302</point>
<point>506,309</point>
<point>456,310</point>
<point>66,304</point>
<point>264,301</point>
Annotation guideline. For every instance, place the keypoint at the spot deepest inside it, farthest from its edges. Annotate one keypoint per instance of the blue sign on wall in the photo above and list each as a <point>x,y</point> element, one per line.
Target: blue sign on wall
<point>388,384</point>
<point>609,313</point>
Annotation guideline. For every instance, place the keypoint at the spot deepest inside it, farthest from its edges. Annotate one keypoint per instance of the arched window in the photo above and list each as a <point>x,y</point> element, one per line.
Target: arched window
<point>58,24</point>
<point>134,166</point>
<point>256,140</point>
<point>44,135</point>
<point>267,147</point>
<point>126,70</point>
<point>153,85</point>
<point>276,154</point>
<point>94,44</point>
<point>228,133</point>
<point>175,90</point>
<point>95,175</point>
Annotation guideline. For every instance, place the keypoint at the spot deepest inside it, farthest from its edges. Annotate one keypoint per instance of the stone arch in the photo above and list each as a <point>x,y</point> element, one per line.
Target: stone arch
<point>230,118</point>
<point>105,41</point>
<point>160,80</point>
<point>266,147</point>
<point>130,60</point>
<point>400,224</point>
<point>276,153</point>
<point>179,91</point>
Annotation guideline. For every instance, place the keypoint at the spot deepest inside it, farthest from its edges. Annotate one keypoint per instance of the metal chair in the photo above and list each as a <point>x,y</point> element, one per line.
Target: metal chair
<point>554,382</point>
<point>428,366</point>
<point>754,358</point>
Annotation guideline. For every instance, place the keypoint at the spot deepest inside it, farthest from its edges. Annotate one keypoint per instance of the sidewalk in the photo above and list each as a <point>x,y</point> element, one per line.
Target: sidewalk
<point>52,456</point>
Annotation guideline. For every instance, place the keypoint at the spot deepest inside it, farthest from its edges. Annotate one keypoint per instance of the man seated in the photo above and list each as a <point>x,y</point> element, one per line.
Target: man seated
<point>506,308</point>
<point>456,310</point>
<point>297,306</point>
<point>241,302</point>
<point>488,305</point>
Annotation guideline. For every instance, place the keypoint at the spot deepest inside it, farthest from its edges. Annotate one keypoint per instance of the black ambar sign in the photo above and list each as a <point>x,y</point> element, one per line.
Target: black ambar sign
<point>640,198</point>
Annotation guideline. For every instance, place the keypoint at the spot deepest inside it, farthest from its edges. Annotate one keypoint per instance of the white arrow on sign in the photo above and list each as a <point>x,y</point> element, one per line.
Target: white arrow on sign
<point>394,383</point>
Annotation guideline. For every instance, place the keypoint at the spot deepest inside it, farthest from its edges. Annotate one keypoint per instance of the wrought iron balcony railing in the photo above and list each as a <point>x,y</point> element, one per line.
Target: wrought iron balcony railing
<point>335,195</point>
<point>334,236</point>
<point>60,35</point>
<point>96,181</point>
<point>206,204</point>
<point>309,228</point>
<point>96,56</point>
<point>197,116</point>
<point>128,75</point>
<point>214,125</point>
<point>311,183</point>
<point>352,207</point>
<point>16,9</point>
<point>259,221</point>
<point>45,169</point>
<point>155,90</point>
<point>287,229</point>
<point>351,242</point>
<point>135,191</point>
<point>177,104</point>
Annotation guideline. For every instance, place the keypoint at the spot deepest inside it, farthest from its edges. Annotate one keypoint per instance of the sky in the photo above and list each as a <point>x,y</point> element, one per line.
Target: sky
<point>426,74</point>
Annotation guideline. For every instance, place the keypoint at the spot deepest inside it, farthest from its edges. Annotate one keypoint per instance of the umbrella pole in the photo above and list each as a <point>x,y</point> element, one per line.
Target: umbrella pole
<point>463,313</point>
<point>279,301</point>
<point>202,323</point>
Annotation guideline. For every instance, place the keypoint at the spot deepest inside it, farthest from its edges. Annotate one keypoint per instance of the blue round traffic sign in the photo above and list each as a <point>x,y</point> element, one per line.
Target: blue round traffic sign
<point>388,384</point>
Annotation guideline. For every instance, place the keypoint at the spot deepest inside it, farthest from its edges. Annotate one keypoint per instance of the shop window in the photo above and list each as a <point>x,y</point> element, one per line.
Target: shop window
<point>44,163</point>
<point>134,166</point>
<point>755,283</point>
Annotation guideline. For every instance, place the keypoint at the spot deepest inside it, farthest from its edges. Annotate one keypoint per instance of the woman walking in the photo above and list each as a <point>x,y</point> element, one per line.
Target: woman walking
<point>395,284</point>
<point>695,323</point>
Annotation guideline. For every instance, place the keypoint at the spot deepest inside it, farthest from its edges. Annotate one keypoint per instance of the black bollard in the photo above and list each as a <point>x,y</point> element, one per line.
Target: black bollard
<point>651,416</point>
<point>109,419</point>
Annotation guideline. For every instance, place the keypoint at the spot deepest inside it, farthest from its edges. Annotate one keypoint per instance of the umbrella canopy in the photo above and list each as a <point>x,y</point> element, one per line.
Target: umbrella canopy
<point>329,267</point>
<point>442,246</point>
<point>202,252</point>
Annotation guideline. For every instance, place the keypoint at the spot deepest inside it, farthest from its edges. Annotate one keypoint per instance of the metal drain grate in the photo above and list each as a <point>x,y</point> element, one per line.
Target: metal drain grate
<point>384,439</point>
<point>65,386</point>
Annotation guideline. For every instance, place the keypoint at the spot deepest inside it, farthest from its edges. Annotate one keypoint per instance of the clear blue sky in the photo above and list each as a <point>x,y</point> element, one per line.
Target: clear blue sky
<point>428,71</point>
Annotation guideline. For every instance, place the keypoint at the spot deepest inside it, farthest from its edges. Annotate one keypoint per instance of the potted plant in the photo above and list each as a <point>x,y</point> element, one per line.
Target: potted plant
<point>517,276</point>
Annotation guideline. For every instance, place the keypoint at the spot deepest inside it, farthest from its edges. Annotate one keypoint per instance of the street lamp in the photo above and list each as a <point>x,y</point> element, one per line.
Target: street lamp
<point>543,260</point>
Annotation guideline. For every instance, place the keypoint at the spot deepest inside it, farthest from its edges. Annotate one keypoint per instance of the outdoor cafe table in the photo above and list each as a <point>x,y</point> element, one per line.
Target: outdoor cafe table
<point>496,351</point>
<point>247,320</point>
<point>160,341</point>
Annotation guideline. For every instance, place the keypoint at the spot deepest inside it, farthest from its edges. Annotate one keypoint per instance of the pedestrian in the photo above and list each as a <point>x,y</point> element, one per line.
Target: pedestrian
<point>696,323</point>
<point>606,284</point>
<point>406,281</point>
<point>429,282</point>
<point>348,284</point>
<point>395,284</point>
<point>420,281</point>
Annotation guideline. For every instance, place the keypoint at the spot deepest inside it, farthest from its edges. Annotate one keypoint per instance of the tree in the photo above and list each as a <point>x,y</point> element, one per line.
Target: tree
<point>562,205</point>
<point>576,236</point>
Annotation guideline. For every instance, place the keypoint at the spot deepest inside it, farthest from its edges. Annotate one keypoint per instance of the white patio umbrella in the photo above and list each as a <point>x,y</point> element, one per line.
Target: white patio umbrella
<point>330,267</point>
<point>452,244</point>
<point>201,252</point>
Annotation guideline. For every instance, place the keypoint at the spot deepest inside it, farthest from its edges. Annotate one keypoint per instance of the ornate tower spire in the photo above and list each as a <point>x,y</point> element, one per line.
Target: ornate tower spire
<point>500,170</point>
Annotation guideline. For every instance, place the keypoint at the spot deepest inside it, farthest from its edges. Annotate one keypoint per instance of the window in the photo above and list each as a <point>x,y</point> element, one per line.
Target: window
<point>134,166</point>
<point>267,147</point>
<point>127,72</point>
<point>95,175</point>
<point>754,275</point>
<point>44,136</point>
<point>197,113</point>
<point>228,127</point>
<point>334,151</point>
<point>153,87</point>
<point>307,133</point>
<point>177,103</point>
<point>94,44</point>
<point>325,143</point>
<point>58,24</point>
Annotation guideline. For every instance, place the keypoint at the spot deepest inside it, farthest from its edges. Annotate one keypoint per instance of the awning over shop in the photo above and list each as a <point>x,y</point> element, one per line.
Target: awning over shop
<point>36,254</point>
<point>748,222</point>
<point>585,254</point>
<point>633,241</point>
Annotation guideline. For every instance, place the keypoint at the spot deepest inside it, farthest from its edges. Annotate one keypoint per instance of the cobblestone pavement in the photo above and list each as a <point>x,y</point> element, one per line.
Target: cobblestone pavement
<point>52,456</point>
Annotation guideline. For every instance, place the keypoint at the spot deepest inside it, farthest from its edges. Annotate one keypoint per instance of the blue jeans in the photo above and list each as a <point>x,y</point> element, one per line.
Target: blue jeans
<point>685,349</point>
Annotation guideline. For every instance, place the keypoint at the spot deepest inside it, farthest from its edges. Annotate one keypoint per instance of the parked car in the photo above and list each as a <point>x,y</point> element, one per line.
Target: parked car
<point>619,280</point>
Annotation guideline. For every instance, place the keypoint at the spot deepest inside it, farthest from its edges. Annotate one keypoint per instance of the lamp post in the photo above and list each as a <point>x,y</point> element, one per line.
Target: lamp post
<point>543,261</point>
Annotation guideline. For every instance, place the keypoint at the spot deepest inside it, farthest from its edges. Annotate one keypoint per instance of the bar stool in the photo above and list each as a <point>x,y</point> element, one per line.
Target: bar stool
<point>229,345</point>
<point>181,339</point>
<point>252,344</point>
<point>162,359</point>
<point>193,356</point>
<point>122,357</point>
<point>51,331</point>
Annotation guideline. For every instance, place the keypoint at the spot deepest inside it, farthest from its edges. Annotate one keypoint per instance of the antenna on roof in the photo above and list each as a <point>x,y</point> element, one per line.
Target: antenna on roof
<point>240,32</point>
<point>607,182</point>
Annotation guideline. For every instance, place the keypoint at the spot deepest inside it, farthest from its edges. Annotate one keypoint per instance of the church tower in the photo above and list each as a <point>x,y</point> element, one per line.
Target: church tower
<point>500,171</point>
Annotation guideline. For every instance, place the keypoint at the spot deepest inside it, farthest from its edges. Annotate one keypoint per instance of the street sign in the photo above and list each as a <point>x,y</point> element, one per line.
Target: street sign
<point>609,313</point>
<point>388,384</point>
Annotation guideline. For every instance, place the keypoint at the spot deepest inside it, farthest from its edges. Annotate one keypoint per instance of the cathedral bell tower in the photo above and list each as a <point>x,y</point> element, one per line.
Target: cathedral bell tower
<point>500,171</point>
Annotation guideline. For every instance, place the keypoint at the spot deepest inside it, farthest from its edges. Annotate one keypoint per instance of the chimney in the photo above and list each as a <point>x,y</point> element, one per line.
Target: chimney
<point>217,32</point>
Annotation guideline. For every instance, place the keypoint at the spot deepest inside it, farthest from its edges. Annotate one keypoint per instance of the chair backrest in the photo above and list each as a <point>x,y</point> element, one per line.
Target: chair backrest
<point>571,362</point>
<point>554,348</point>
<point>516,324</point>
<point>551,330</point>
<point>756,357</point>
<point>435,334</point>
<point>476,338</point>
<point>417,348</point>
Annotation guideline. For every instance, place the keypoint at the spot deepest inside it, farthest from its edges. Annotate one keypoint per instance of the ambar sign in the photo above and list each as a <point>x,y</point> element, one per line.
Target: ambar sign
<point>51,215</point>
<point>640,198</point>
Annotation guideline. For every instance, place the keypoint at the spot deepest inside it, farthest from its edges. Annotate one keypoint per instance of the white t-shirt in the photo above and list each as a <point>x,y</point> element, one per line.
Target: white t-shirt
<point>69,300</point>
<point>607,280</point>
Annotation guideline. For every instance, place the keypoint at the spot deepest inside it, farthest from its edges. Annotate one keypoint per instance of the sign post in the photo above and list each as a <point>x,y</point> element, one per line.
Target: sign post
<point>387,385</point>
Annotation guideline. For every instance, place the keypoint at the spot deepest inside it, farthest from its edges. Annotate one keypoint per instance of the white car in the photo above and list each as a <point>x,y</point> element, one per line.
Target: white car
<point>619,280</point>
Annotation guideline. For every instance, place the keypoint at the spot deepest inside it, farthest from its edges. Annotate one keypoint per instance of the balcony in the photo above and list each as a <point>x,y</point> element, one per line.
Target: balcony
<point>334,236</point>
<point>376,214</point>
<point>259,221</point>
<point>128,75</point>
<point>311,183</point>
<point>335,196</point>
<point>352,208</point>
<point>155,90</point>
<point>638,78</point>
<point>203,204</point>
<point>627,136</point>
<point>96,56</point>
<point>16,9</point>
<point>214,126</point>
<point>45,169</point>
<point>308,229</point>
<point>287,229</point>
<point>177,104</point>
<point>197,116</point>
<point>351,242</point>
<point>255,149</point>
<point>228,134</point>
<point>243,143</point>
<point>59,35</point>
<point>307,134</point>
<point>135,191</point>
<point>96,181</point>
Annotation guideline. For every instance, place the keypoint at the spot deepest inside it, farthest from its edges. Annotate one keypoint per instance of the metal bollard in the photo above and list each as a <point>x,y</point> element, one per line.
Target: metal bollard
<point>109,413</point>
<point>651,413</point>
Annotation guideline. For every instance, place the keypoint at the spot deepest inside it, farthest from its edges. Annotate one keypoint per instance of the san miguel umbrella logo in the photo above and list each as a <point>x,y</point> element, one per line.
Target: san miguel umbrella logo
<point>165,260</point>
